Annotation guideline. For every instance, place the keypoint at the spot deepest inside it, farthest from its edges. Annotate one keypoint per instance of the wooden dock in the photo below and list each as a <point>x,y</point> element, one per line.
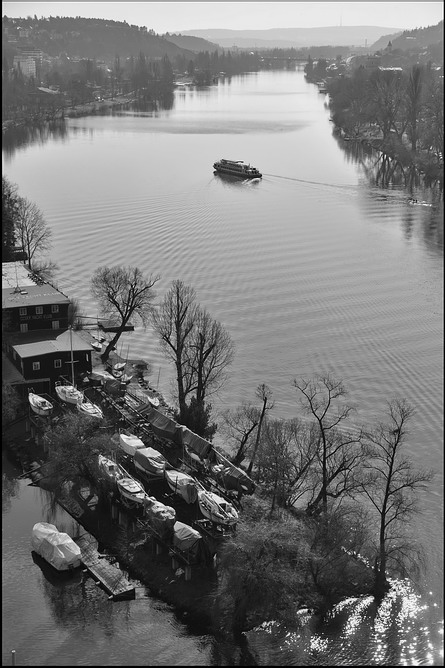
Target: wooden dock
<point>108,576</point>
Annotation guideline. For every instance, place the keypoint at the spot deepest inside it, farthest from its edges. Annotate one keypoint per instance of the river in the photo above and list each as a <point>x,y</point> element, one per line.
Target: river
<point>314,268</point>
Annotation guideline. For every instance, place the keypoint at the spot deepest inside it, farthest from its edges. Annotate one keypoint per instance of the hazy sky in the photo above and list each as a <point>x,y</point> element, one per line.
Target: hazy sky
<point>176,16</point>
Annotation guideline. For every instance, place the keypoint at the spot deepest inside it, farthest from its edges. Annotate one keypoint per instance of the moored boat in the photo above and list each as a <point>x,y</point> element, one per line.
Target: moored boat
<point>150,461</point>
<point>56,547</point>
<point>236,168</point>
<point>40,405</point>
<point>182,484</point>
<point>216,509</point>
<point>131,490</point>
<point>129,443</point>
<point>110,470</point>
<point>68,393</point>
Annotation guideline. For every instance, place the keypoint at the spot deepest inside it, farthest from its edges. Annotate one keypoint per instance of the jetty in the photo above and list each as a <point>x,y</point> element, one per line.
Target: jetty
<point>105,574</point>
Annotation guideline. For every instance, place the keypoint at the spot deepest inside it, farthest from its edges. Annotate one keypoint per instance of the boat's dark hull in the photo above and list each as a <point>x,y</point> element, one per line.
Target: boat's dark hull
<point>240,175</point>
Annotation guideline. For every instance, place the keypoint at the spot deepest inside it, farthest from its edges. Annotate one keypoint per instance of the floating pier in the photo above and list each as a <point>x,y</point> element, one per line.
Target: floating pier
<point>108,576</point>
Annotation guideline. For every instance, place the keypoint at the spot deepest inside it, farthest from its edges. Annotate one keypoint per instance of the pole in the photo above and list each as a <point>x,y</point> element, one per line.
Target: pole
<point>13,656</point>
<point>159,374</point>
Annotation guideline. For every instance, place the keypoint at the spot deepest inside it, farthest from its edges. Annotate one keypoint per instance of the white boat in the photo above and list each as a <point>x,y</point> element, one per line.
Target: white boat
<point>130,443</point>
<point>120,366</point>
<point>150,461</point>
<point>216,509</point>
<point>40,405</point>
<point>110,470</point>
<point>96,345</point>
<point>153,400</point>
<point>88,408</point>
<point>131,490</point>
<point>68,393</point>
<point>56,547</point>
<point>182,484</point>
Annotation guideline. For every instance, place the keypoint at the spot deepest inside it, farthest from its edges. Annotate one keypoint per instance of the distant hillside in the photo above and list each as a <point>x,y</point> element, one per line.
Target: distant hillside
<point>191,43</point>
<point>88,38</point>
<point>408,40</point>
<point>294,37</point>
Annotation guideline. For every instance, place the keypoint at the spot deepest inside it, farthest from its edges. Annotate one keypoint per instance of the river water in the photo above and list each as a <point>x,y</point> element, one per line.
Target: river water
<point>315,268</point>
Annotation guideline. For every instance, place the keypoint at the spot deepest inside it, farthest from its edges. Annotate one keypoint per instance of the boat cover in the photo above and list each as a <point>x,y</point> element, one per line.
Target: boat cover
<point>196,443</point>
<point>162,425</point>
<point>145,458</point>
<point>182,484</point>
<point>130,443</point>
<point>160,517</point>
<point>56,547</point>
<point>230,476</point>
<point>186,539</point>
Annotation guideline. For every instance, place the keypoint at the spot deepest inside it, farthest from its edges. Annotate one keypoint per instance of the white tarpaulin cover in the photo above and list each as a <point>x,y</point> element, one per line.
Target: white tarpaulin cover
<point>130,443</point>
<point>185,538</point>
<point>56,547</point>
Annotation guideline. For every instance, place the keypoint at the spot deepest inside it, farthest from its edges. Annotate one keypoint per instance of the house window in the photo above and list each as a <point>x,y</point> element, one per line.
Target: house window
<point>39,310</point>
<point>55,308</point>
<point>55,324</point>
<point>22,311</point>
<point>57,364</point>
<point>24,327</point>
<point>36,366</point>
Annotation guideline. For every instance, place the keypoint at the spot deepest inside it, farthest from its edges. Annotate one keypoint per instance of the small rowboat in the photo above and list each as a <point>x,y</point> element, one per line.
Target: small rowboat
<point>68,393</point>
<point>88,408</point>
<point>40,405</point>
<point>131,490</point>
<point>216,509</point>
<point>182,484</point>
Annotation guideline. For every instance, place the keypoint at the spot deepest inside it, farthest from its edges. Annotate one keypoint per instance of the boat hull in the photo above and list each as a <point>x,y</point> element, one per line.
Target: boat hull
<point>240,175</point>
<point>216,509</point>
<point>39,405</point>
<point>131,491</point>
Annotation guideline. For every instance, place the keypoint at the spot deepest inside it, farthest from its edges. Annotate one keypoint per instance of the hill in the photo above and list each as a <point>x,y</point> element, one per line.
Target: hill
<point>191,43</point>
<point>88,38</point>
<point>410,40</point>
<point>293,37</point>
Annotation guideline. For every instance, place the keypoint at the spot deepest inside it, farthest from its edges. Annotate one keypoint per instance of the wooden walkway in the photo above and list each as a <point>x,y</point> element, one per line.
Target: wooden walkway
<point>111,578</point>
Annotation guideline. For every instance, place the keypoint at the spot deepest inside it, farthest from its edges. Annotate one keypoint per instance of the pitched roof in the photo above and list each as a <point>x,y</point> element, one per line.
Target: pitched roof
<point>60,343</point>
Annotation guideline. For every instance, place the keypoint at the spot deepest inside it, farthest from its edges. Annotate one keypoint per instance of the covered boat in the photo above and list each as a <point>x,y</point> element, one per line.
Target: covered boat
<point>88,408</point>
<point>160,517</point>
<point>182,484</point>
<point>56,547</point>
<point>131,490</point>
<point>40,405</point>
<point>150,461</point>
<point>216,509</point>
<point>130,443</point>
<point>187,540</point>
<point>68,393</point>
<point>236,168</point>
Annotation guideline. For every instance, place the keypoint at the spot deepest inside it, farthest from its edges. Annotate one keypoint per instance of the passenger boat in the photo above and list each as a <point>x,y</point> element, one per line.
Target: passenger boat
<point>40,405</point>
<point>216,509</point>
<point>236,168</point>
<point>129,443</point>
<point>68,393</point>
<point>131,490</point>
<point>150,461</point>
<point>182,484</point>
<point>88,408</point>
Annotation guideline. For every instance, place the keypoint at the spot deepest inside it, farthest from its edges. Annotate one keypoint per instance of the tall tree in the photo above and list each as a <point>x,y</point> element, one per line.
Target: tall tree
<point>414,104</point>
<point>391,485</point>
<point>264,393</point>
<point>31,230</point>
<point>123,293</point>
<point>173,321</point>
<point>339,452</point>
<point>9,217</point>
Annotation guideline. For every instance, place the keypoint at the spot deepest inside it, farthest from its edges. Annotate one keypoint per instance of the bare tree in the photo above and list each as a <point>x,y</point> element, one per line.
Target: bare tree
<point>122,293</point>
<point>264,393</point>
<point>174,321</point>
<point>391,485</point>
<point>31,230</point>
<point>199,346</point>
<point>239,425</point>
<point>339,452</point>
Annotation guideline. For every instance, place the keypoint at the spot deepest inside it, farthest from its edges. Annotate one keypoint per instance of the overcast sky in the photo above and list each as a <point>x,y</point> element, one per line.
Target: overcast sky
<point>176,16</point>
